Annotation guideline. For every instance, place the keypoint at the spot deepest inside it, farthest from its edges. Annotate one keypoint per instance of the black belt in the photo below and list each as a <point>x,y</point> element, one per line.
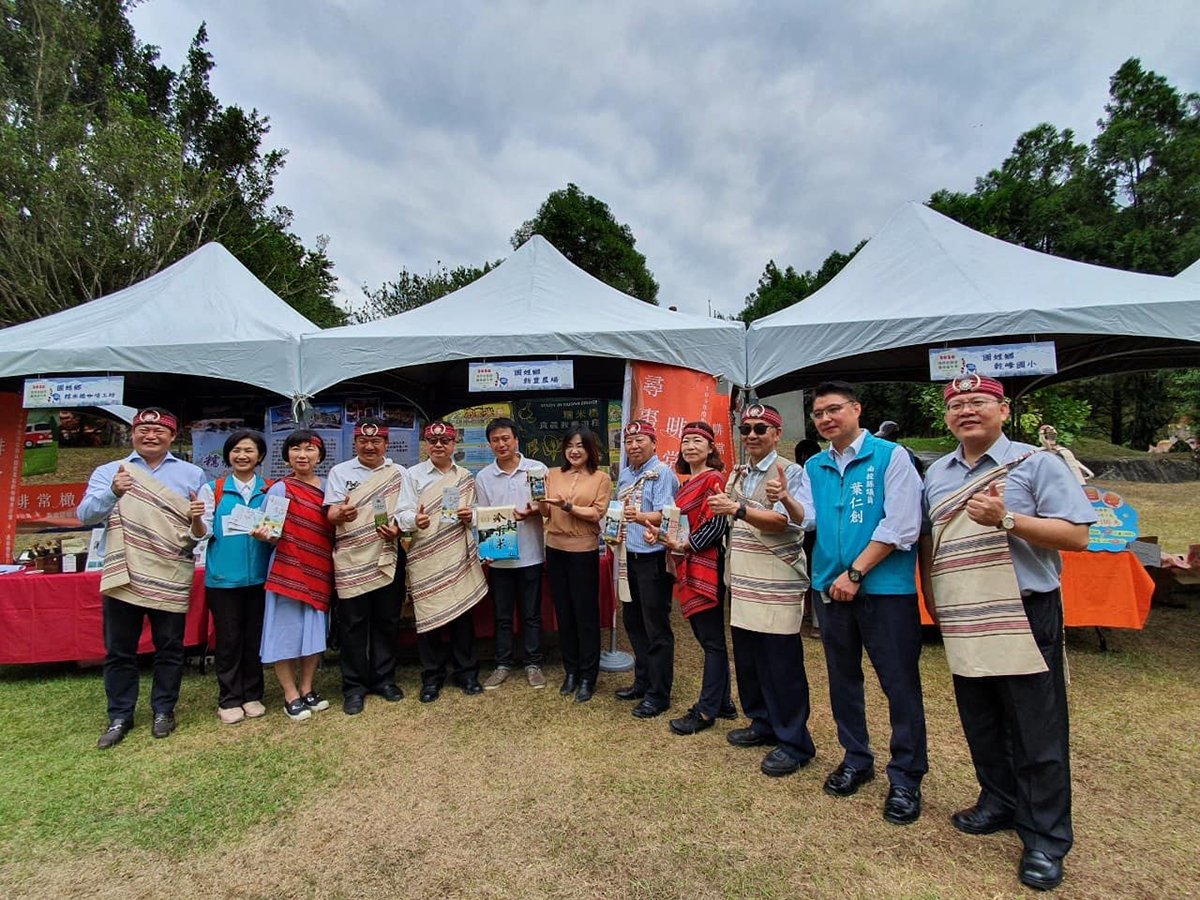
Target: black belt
<point>629,554</point>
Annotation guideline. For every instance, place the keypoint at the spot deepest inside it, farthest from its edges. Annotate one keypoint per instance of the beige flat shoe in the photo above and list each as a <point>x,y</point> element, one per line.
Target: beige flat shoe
<point>231,716</point>
<point>254,709</point>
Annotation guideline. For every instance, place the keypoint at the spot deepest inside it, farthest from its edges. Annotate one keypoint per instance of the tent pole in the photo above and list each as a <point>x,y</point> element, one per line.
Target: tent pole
<point>612,659</point>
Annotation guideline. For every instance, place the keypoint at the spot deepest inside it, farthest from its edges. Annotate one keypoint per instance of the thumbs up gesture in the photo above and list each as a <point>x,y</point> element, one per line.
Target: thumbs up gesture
<point>422,518</point>
<point>195,506</point>
<point>122,481</point>
<point>987,507</point>
<point>777,487</point>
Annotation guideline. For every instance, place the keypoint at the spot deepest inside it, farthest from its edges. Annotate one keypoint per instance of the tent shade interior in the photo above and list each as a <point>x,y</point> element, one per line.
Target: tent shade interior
<point>925,281</point>
<point>205,315</point>
<point>536,304</point>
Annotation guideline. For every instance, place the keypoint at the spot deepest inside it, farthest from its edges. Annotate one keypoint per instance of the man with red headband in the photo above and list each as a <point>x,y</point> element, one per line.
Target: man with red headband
<point>445,578</point>
<point>645,485</point>
<point>153,490</point>
<point>370,500</point>
<point>1000,513</point>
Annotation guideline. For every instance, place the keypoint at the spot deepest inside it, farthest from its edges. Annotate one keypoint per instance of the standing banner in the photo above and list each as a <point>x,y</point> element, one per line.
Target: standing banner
<point>473,452</point>
<point>669,397</point>
<point>12,433</point>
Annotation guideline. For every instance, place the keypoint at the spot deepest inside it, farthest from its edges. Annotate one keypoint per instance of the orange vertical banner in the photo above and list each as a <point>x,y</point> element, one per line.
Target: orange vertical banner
<point>669,397</point>
<point>12,449</point>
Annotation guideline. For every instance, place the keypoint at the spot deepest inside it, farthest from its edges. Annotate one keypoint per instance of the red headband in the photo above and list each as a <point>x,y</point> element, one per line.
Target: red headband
<point>154,417</point>
<point>766,413</point>
<point>700,431</point>
<point>641,426</point>
<point>973,384</point>
<point>370,429</point>
<point>439,429</point>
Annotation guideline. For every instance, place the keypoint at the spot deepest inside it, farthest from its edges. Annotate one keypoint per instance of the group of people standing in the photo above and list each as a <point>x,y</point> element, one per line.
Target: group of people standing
<point>986,525</point>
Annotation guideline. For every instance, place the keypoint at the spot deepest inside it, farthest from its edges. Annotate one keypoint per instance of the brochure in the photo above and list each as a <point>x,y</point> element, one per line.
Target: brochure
<point>451,501</point>
<point>496,527</point>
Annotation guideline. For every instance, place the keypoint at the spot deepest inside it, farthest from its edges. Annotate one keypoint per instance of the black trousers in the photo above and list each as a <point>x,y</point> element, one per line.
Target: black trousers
<point>122,631</point>
<point>889,627</point>
<point>1017,729</point>
<point>773,688</point>
<point>513,588</point>
<point>454,641</point>
<point>648,623</point>
<point>709,628</point>
<point>575,585</point>
<point>370,626</point>
<point>238,617</point>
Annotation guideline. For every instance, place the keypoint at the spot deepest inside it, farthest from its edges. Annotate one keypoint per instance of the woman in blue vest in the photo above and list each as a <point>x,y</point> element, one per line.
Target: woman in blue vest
<point>235,571</point>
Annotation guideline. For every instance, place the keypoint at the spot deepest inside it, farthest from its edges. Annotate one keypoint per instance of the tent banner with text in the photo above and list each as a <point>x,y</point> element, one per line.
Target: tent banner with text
<point>669,397</point>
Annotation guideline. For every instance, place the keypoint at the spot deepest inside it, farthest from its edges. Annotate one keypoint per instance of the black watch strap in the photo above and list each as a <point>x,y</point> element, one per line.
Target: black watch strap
<point>854,575</point>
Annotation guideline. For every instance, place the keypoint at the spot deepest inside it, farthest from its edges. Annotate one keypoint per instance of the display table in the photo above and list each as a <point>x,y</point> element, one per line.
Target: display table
<point>58,618</point>
<point>1105,590</point>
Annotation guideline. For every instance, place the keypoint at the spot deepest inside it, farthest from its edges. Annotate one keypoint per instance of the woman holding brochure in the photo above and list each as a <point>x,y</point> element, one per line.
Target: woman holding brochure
<point>226,511</point>
<point>300,577</point>
<point>577,494</point>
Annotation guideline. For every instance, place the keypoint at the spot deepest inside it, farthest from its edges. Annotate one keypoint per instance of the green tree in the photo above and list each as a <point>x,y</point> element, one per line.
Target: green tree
<point>409,290</point>
<point>585,231</point>
<point>780,289</point>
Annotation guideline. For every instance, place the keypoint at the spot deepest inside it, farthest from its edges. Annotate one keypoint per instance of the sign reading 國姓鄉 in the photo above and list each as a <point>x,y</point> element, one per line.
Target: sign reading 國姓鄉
<point>997,361</point>
<point>68,393</point>
<point>529,375</point>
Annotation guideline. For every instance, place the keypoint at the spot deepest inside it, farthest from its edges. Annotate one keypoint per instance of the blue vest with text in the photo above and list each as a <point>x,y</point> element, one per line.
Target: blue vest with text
<point>236,560</point>
<point>849,507</point>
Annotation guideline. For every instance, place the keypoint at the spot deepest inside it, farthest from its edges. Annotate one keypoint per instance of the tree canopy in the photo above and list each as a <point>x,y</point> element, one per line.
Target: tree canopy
<point>113,166</point>
<point>409,290</point>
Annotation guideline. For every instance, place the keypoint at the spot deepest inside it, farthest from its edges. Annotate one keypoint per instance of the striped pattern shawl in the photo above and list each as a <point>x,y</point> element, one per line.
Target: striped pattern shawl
<point>697,586</point>
<point>148,552</point>
<point>766,571</point>
<point>445,578</point>
<point>631,495</point>
<point>362,560</point>
<point>303,565</point>
<point>975,591</point>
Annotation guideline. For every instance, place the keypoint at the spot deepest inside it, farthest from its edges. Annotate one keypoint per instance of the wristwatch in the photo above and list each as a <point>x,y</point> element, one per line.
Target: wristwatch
<point>741,511</point>
<point>1008,522</point>
<point>854,575</point>
<point>568,506</point>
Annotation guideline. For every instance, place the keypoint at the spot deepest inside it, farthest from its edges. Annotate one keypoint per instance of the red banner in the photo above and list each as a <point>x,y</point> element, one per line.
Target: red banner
<point>669,397</point>
<point>51,503</point>
<point>12,448</point>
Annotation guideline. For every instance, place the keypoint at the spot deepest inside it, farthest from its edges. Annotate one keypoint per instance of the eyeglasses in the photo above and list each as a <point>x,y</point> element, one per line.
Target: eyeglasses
<point>975,404</point>
<point>819,414</point>
<point>759,428</point>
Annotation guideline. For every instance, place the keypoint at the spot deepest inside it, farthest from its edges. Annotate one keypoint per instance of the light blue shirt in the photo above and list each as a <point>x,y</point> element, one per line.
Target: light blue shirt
<point>495,487</point>
<point>98,500</point>
<point>656,493</point>
<point>797,480</point>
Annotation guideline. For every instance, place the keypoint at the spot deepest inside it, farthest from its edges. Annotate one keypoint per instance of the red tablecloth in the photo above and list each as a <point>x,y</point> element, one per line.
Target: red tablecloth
<point>1108,590</point>
<point>58,618</point>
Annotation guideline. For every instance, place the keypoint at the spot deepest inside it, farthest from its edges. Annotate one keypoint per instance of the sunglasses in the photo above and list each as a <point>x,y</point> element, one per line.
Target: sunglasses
<point>440,440</point>
<point>759,428</point>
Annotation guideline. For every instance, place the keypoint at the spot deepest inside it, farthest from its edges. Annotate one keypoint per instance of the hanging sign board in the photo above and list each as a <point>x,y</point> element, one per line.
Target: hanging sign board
<point>997,361</point>
<point>525,375</point>
<point>70,393</point>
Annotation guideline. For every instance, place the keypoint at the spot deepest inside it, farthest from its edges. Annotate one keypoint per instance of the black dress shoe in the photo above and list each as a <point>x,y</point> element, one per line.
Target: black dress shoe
<point>633,692</point>
<point>727,711</point>
<point>748,737</point>
<point>648,709</point>
<point>586,689</point>
<point>164,724</point>
<point>779,762</point>
<point>903,805</point>
<point>391,693</point>
<point>1040,870</point>
<point>472,686</point>
<point>846,780</point>
<point>568,686</point>
<point>353,705</point>
<point>117,729</point>
<point>430,692</point>
<point>691,723</point>
<point>977,820</point>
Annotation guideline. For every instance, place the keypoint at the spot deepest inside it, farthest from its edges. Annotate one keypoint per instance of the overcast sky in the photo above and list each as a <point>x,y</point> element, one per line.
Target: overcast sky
<point>724,134</point>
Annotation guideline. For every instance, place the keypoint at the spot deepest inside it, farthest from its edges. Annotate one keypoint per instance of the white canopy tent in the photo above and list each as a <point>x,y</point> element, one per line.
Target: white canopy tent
<point>205,315</point>
<point>1191,273</point>
<point>534,304</point>
<point>925,281</point>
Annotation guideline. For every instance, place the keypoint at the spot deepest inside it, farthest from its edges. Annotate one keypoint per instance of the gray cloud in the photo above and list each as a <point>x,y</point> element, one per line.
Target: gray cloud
<point>723,133</point>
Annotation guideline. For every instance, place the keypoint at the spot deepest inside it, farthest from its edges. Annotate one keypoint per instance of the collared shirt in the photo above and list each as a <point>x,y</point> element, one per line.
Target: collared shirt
<point>346,476</point>
<point>797,480</point>
<point>902,510</point>
<point>1041,486</point>
<point>656,493</point>
<point>98,500</point>
<point>495,487</point>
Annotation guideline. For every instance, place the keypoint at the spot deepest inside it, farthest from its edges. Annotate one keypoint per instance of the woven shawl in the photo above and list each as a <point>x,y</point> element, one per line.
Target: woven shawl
<point>148,547</point>
<point>362,560</point>
<point>631,495</point>
<point>696,583</point>
<point>445,578</point>
<point>303,565</point>
<point>980,611</point>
